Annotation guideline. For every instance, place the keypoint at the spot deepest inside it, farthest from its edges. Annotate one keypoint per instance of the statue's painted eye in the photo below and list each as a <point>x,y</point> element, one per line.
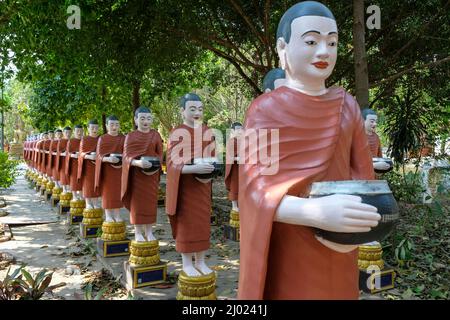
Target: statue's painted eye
<point>310,42</point>
<point>332,44</point>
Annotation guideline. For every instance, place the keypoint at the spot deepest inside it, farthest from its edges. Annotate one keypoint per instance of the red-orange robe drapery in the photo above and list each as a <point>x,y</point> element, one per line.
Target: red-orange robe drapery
<point>86,168</point>
<point>52,165</point>
<point>37,155</point>
<point>60,162</point>
<point>374,145</point>
<point>320,139</point>
<point>188,201</point>
<point>45,157</point>
<point>71,167</point>
<point>140,191</point>
<point>108,177</point>
<point>232,169</point>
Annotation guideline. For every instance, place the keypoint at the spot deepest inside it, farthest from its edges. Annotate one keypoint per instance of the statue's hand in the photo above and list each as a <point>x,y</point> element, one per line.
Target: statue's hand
<point>381,165</point>
<point>342,248</point>
<point>203,168</point>
<point>113,160</point>
<point>343,213</point>
<point>145,164</point>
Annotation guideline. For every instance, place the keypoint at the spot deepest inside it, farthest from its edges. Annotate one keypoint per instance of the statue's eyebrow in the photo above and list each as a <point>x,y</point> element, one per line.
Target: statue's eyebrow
<point>318,32</point>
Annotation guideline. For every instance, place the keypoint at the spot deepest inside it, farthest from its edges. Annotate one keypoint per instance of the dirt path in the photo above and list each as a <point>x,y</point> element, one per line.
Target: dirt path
<point>57,247</point>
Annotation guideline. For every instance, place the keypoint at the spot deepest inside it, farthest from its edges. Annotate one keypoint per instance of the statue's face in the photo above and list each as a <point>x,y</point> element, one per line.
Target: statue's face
<point>93,130</point>
<point>50,135</point>
<point>67,134</point>
<point>143,121</point>
<point>370,123</point>
<point>193,112</point>
<point>312,49</point>
<point>45,136</point>
<point>238,130</point>
<point>58,135</point>
<point>113,127</point>
<point>78,133</point>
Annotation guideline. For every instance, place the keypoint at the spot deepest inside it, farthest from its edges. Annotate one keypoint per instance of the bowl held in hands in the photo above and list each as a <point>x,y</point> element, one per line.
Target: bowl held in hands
<point>218,168</point>
<point>156,164</point>
<point>385,160</point>
<point>373,192</point>
<point>119,156</point>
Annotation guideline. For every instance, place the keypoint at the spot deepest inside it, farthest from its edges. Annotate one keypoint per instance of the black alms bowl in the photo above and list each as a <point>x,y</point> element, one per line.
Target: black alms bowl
<point>386,160</point>
<point>373,192</point>
<point>117,155</point>
<point>218,168</point>
<point>156,164</point>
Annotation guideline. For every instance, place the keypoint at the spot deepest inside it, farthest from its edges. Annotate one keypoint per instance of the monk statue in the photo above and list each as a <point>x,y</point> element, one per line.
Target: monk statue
<point>108,170</point>
<point>274,79</point>
<point>319,136</point>
<point>61,157</point>
<point>232,167</point>
<point>188,195</point>
<point>71,168</point>
<point>86,165</point>
<point>53,154</point>
<point>47,156</point>
<point>140,181</point>
<point>370,123</point>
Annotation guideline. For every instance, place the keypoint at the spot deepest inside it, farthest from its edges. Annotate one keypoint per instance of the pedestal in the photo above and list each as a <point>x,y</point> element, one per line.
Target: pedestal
<point>196,288</point>
<point>142,276</point>
<point>88,231</point>
<point>374,275</point>
<point>62,209</point>
<point>47,195</point>
<point>73,218</point>
<point>113,248</point>
<point>54,201</point>
<point>232,233</point>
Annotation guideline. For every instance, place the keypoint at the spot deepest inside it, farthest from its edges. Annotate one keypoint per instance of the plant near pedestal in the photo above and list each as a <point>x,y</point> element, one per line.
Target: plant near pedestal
<point>8,171</point>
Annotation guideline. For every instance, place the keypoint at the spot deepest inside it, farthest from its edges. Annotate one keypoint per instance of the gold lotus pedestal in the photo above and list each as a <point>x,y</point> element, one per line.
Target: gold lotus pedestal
<point>144,267</point>
<point>197,288</point>
<point>113,242</point>
<point>92,221</point>
<point>373,275</point>
<point>42,186</point>
<point>64,202</point>
<point>56,192</point>
<point>49,190</point>
<point>75,215</point>
<point>232,230</point>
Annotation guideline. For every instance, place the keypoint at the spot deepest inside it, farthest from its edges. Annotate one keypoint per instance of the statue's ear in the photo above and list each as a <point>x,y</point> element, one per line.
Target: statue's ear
<point>281,50</point>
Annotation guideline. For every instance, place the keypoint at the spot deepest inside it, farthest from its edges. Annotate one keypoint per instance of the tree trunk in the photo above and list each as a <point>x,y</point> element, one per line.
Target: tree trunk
<point>104,105</point>
<point>361,72</point>
<point>136,99</point>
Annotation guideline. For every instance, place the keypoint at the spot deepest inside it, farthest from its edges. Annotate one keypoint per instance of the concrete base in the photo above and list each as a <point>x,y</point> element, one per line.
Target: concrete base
<point>142,276</point>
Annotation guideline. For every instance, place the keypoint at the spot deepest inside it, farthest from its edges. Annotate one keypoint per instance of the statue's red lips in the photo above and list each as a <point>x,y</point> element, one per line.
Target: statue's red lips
<point>321,64</point>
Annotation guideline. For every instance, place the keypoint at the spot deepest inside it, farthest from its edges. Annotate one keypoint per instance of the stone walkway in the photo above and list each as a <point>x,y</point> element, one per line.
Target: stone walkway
<point>55,245</point>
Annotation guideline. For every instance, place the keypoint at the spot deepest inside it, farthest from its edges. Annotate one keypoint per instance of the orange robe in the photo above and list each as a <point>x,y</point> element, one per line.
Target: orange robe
<point>374,145</point>
<point>86,169</point>
<point>140,191</point>
<point>37,155</point>
<point>108,177</point>
<point>45,157</point>
<point>60,162</point>
<point>71,168</point>
<point>54,173</point>
<point>232,170</point>
<point>188,201</point>
<point>320,139</point>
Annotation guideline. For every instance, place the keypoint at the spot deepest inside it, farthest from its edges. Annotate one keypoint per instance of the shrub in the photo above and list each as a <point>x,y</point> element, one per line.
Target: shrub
<point>8,171</point>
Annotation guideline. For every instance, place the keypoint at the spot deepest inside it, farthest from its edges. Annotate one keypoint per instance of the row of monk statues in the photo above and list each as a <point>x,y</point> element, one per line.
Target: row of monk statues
<point>303,211</point>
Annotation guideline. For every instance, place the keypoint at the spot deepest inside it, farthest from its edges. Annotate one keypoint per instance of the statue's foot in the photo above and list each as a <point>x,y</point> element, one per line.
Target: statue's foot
<point>203,268</point>
<point>139,238</point>
<point>151,237</point>
<point>191,271</point>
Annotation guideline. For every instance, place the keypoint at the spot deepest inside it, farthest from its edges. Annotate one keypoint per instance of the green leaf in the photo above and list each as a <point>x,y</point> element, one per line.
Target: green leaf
<point>28,276</point>
<point>88,292</point>
<point>100,293</point>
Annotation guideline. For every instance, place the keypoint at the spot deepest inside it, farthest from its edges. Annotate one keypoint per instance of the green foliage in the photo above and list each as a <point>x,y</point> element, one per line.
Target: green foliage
<point>21,285</point>
<point>8,170</point>
<point>406,186</point>
<point>88,293</point>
